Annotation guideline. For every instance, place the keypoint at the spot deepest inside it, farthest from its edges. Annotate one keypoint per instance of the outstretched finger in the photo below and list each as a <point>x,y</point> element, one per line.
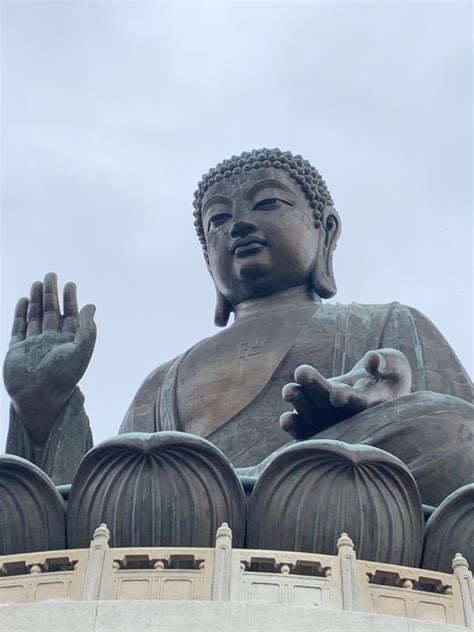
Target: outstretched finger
<point>295,395</point>
<point>71,309</point>
<point>315,385</point>
<point>19,320</point>
<point>35,312</point>
<point>295,426</point>
<point>51,315</point>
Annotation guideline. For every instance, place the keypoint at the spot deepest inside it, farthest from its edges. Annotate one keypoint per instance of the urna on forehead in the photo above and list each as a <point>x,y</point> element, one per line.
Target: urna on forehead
<point>299,169</point>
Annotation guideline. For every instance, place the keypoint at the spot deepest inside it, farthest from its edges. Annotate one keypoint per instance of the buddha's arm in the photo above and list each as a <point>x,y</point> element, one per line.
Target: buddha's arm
<point>413,356</point>
<point>48,354</point>
<point>69,439</point>
<point>142,414</point>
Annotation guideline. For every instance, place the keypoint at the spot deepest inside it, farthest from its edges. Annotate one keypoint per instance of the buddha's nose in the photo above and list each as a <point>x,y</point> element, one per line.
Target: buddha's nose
<point>242,228</point>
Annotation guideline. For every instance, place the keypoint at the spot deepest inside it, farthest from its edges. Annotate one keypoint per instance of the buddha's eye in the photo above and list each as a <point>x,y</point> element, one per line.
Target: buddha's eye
<point>268,204</point>
<point>217,219</point>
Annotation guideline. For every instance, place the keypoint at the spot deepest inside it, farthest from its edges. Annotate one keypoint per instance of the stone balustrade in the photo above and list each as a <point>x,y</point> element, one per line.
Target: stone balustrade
<point>291,579</point>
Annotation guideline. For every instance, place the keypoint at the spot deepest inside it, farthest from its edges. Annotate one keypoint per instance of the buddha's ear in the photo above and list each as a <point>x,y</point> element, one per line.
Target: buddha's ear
<point>323,276</point>
<point>223,307</point>
<point>222,311</point>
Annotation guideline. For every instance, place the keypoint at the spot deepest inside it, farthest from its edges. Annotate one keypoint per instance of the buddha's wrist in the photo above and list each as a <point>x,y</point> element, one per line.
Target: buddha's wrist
<point>40,415</point>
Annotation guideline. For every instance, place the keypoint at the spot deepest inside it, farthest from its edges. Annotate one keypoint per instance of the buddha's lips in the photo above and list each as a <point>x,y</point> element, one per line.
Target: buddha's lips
<point>244,245</point>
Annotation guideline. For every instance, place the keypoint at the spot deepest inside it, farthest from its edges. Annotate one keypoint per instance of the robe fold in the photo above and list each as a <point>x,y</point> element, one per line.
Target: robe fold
<point>69,439</point>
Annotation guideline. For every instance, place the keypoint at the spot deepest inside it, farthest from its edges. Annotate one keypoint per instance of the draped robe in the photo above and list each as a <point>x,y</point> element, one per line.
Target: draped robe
<point>431,430</point>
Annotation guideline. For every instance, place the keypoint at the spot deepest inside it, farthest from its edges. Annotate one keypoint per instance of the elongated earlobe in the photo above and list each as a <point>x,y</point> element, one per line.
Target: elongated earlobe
<point>322,276</point>
<point>223,310</point>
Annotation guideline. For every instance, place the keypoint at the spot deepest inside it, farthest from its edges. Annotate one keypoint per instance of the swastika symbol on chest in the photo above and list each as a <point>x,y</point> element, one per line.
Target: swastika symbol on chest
<point>248,349</point>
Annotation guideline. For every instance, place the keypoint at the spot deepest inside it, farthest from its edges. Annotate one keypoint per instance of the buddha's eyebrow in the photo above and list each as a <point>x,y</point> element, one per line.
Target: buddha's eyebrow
<point>265,184</point>
<point>216,199</point>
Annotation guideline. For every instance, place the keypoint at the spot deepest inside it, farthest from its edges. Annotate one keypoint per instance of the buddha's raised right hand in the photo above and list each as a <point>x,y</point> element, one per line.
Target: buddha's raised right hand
<point>49,353</point>
<point>380,376</point>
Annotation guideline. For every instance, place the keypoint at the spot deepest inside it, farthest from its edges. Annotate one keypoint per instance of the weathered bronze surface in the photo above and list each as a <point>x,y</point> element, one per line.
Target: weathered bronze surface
<point>313,490</point>
<point>381,375</point>
<point>49,353</point>
<point>163,489</point>
<point>450,530</point>
<point>32,512</point>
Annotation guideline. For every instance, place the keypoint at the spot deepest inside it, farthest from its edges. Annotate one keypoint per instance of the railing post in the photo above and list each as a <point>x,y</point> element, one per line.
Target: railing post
<point>222,564</point>
<point>95,563</point>
<point>464,577</point>
<point>347,560</point>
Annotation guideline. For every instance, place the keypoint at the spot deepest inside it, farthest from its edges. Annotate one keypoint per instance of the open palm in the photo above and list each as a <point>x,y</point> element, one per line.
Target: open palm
<point>48,354</point>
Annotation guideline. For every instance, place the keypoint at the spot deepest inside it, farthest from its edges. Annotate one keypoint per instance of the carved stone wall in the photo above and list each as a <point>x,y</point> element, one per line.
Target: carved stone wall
<point>299,581</point>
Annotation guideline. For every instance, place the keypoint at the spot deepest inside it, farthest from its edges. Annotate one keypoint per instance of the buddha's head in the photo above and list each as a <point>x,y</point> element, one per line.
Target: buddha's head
<point>266,222</point>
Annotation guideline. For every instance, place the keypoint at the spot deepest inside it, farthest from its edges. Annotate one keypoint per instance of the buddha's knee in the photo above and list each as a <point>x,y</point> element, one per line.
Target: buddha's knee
<point>430,432</point>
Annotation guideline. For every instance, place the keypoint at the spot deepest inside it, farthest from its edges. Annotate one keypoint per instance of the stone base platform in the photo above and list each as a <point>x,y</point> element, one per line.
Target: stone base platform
<point>194,616</point>
<point>222,588</point>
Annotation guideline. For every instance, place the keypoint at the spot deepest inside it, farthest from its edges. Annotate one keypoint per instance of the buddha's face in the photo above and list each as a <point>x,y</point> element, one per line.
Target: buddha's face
<point>260,234</point>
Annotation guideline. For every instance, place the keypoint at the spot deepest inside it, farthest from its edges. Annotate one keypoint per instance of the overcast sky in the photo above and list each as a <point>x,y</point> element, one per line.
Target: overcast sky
<point>112,111</point>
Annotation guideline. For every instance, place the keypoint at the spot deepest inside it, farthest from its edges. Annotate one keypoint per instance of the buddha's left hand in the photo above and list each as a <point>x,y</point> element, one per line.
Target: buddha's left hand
<point>378,377</point>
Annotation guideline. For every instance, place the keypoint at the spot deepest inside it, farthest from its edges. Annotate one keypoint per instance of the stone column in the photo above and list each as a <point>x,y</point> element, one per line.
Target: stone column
<point>464,577</point>
<point>347,560</point>
<point>222,564</point>
<point>95,563</point>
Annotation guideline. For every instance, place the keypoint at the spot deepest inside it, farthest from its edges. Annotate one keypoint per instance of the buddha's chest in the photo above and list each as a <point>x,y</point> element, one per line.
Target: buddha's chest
<point>223,374</point>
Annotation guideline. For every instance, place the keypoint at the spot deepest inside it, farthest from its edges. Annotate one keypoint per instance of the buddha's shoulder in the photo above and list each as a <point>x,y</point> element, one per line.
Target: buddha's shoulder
<point>372,319</point>
<point>371,311</point>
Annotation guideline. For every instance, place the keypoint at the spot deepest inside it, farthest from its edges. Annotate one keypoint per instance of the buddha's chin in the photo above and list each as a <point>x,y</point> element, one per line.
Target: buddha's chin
<point>251,268</point>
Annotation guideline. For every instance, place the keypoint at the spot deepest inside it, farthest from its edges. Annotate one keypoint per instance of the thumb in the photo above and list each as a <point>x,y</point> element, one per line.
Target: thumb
<point>375,364</point>
<point>87,331</point>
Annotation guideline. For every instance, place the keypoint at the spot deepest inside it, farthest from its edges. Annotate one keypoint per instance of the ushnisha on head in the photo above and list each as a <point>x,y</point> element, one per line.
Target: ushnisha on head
<point>296,166</point>
<point>294,242</point>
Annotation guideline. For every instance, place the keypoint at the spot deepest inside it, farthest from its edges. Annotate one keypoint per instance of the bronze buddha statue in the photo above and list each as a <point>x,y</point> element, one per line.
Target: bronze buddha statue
<point>378,375</point>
